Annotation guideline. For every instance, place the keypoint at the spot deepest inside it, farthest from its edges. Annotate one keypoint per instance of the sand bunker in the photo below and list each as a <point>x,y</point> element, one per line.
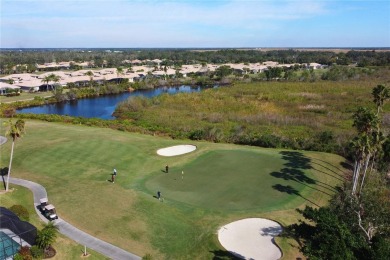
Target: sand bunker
<point>251,238</point>
<point>176,150</point>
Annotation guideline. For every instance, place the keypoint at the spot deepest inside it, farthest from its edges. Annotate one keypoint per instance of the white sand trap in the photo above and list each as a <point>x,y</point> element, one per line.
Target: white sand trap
<point>176,150</point>
<point>251,238</point>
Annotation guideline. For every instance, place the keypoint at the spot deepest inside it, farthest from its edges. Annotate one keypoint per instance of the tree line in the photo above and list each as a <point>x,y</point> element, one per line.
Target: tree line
<point>19,61</point>
<point>356,224</point>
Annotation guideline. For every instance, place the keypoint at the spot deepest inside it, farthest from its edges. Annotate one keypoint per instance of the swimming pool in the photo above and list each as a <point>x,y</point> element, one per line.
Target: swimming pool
<point>8,247</point>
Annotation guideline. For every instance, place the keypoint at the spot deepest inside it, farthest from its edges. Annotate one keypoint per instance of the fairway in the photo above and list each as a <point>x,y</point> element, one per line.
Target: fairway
<point>228,180</point>
<point>221,183</point>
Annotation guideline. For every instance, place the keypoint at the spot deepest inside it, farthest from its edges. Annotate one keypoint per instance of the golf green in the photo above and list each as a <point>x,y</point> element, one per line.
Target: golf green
<point>232,180</point>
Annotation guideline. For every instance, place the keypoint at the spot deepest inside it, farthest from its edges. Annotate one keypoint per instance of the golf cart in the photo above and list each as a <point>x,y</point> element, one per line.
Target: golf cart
<point>43,204</point>
<point>50,212</point>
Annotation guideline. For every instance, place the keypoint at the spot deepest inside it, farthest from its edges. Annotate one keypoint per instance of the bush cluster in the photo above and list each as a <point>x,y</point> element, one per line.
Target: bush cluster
<point>21,212</point>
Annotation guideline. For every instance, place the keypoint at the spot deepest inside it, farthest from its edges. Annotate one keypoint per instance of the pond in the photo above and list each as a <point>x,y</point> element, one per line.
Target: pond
<point>102,107</point>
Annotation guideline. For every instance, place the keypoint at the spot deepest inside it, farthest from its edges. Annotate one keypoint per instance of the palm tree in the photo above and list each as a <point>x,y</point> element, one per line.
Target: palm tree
<point>47,236</point>
<point>358,146</point>
<point>46,80</point>
<point>15,131</point>
<point>365,122</point>
<point>369,149</point>
<point>165,72</point>
<point>380,94</point>
<point>55,78</point>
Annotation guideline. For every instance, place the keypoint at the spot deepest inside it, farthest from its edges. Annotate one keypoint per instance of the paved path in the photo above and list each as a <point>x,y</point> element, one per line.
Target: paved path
<point>70,231</point>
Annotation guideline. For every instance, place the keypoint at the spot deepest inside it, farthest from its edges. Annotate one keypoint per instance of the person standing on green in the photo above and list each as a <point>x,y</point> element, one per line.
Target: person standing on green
<point>166,168</point>
<point>113,176</point>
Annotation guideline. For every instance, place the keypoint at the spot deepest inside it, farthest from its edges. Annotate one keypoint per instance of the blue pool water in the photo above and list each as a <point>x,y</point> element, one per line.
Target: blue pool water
<point>8,247</point>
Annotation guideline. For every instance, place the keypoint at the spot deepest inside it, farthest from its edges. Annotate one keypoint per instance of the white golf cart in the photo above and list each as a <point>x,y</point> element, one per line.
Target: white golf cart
<point>50,212</point>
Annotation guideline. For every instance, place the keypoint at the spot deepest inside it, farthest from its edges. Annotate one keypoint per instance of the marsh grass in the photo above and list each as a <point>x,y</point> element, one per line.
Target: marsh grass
<point>286,109</point>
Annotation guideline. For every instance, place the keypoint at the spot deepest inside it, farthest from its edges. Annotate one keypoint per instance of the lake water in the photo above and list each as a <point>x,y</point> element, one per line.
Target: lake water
<point>102,107</point>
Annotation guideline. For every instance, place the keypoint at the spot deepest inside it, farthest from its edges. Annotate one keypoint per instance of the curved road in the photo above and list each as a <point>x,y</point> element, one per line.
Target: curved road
<point>109,250</point>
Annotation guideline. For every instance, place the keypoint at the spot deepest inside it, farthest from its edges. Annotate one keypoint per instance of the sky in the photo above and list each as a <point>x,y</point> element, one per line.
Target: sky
<point>194,23</point>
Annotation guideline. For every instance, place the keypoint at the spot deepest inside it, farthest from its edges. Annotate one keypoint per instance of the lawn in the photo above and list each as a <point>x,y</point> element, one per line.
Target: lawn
<point>25,96</point>
<point>65,247</point>
<point>221,183</point>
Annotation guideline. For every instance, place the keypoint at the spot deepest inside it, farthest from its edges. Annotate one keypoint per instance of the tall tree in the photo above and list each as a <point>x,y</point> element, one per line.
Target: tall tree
<point>46,80</point>
<point>55,79</point>
<point>15,131</point>
<point>380,94</point>
<point>365,122</point>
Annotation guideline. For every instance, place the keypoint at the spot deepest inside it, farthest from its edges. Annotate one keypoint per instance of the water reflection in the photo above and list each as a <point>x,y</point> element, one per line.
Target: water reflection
<point>102,107</point>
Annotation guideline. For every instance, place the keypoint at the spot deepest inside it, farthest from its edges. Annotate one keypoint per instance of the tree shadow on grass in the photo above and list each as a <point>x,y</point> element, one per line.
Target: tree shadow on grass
<point>338,173</point>
<point>291,174</point>
<point>347,166</point>
<point>336,176</point>
<point>296,175</point>
<point>296,160</point>
<point>291,191</point>
<point>226,255</point>
<point>4,172</point>
<point>296,163</point>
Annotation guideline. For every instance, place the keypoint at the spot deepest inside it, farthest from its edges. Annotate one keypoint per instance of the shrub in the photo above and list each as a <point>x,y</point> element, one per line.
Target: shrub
<point>21,212</point>
<point>38,98</point>
<point>18,257</point>
<point>25,253</point>
<point>381,247</point>
<point>270,141</point>
<point>147,257</point>
<point>9,112</point>
<point>196,134</point>
<point>36,252</point>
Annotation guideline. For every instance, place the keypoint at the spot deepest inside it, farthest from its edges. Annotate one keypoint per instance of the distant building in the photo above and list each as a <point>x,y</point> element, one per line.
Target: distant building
<point>5,87</point>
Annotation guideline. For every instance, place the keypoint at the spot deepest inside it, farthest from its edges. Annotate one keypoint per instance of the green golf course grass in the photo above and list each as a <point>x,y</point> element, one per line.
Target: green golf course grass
<point>235,180</point>
<point>221,183</point>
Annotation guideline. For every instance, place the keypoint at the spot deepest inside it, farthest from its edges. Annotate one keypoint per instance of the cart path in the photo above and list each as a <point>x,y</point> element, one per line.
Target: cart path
<point>107,249</point>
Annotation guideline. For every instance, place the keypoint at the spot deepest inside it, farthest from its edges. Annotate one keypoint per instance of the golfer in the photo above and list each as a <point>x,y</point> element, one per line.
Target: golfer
<point>166,168</point>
